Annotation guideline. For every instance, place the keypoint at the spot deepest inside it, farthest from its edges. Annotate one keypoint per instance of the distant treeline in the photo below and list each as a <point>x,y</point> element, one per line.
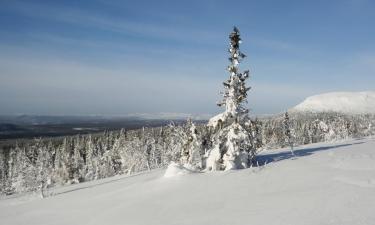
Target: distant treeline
<point>47,162</point>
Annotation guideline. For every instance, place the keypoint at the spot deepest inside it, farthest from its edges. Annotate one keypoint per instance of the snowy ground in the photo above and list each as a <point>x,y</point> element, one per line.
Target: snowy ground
<point>323,184</point>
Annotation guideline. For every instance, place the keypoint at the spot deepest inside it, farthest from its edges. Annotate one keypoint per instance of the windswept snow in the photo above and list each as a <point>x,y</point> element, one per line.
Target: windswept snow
<point>321,184</point>
<point>344,102</point>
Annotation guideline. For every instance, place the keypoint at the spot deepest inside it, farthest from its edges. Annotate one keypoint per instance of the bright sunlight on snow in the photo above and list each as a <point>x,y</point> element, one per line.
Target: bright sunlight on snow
<point>321,184</point>
<point>344,102</point>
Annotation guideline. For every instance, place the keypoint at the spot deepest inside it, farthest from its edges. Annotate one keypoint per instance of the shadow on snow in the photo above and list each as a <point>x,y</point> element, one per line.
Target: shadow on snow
<point>274,157</point>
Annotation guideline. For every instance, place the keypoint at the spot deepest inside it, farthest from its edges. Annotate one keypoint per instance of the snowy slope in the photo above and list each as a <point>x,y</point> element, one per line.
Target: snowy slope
<point>345,102</point>
<point>323,184</point>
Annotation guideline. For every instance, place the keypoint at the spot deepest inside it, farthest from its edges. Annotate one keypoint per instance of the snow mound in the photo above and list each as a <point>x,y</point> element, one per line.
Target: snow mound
<point>343,102</point>
<point>177,169</point>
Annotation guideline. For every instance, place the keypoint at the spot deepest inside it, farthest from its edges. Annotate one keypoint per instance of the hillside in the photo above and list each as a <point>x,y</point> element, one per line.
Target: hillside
<point>323,184</point>
<point>344,102</point>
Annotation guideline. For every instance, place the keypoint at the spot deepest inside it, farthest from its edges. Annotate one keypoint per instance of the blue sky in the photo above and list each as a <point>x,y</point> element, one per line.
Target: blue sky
<point>118,57</point>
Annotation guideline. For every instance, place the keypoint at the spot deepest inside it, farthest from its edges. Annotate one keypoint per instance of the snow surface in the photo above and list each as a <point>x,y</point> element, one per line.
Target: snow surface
<point>344,102</point>
<point>176,169</point>
<point>322,184</point>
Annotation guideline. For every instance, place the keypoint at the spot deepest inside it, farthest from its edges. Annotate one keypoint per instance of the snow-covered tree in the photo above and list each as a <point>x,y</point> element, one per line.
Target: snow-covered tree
<point>148,147</point>
<point>60,169</point>
<point>257,133</point>
<point>289,139</point>
<point>91,159</point>
<point>174,140</point>
<point>44,167</point>
<point>233,141</point>
<point>20,174</point>
<point>2,171</point>
<point>12,174</point>
<point>77,161</point>
<point>191,150</point>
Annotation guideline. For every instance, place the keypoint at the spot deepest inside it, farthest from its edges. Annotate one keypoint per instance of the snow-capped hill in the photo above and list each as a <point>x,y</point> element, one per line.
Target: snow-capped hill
<point>344,102</point>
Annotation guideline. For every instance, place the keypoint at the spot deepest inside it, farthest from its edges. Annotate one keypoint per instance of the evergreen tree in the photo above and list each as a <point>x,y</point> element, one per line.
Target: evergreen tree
<point>173,143</point>
<point>91,159</point>
<point>257,134</point>
<point>12,171</point>
<point>191,150</point>
<point>2,171</point>
<point>44,167</point>
<point>60,169</point>
<point>78,161</point>
<point>289,139</point>
<point>148,147</point>
<point>232,130</point>
<point>26,175</point>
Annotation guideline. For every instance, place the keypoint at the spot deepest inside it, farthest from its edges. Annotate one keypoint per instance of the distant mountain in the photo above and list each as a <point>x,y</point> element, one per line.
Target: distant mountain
<point>344,102</point>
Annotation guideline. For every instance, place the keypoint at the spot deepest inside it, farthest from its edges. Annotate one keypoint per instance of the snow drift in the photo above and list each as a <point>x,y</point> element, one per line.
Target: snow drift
<point>343,102</point>
<point>176,169</point>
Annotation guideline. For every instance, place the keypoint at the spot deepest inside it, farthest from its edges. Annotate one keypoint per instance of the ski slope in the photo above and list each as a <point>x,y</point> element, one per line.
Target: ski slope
<point>322,184</point>
<point>344,102</point>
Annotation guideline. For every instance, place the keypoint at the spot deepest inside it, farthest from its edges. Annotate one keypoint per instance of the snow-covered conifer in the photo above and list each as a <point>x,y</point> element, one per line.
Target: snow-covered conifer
<point>2,172</point>
<point>91,160</point>
<point>191,150</point>
<point>61,173</point>
<point>257,133</point>
<point>289,139</point>
<point>12,171</point>
<point>77,164</point>
<point>44,167</point>
<point>232,130</point>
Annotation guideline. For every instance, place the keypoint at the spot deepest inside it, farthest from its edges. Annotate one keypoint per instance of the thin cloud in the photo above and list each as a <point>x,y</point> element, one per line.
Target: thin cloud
<point>122,25</point>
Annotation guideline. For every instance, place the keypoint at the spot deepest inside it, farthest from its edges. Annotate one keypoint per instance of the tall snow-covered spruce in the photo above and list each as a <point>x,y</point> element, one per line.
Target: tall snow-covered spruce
<point>232,131</point>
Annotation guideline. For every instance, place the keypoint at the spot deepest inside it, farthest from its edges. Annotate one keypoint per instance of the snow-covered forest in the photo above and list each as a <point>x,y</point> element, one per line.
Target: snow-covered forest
<point>43,163</point>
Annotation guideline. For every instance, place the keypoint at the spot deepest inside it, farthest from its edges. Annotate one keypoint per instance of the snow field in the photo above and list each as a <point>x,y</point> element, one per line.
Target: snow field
<point>322,184</point>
